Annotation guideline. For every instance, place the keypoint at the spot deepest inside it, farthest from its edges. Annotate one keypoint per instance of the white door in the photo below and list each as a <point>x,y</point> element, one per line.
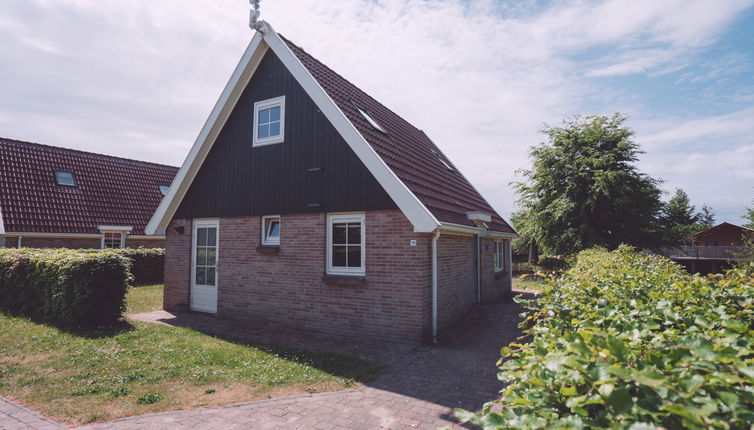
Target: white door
<point>204,252</point>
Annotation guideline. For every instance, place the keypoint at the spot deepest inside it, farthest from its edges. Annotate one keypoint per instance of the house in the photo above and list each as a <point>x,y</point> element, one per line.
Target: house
<point>54,197</point>
<point>305,202</point>
<point>711,250</point>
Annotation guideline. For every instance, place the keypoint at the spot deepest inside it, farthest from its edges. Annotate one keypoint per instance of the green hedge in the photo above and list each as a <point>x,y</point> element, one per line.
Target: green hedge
<point>626,340</point>
<point>63,285</point>
<point>147,264</point>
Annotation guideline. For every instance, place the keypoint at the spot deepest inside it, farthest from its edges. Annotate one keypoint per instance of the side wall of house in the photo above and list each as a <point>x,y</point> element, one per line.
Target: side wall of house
<point>288,287</point>
<point>495,285</point>
<point>456,282</point>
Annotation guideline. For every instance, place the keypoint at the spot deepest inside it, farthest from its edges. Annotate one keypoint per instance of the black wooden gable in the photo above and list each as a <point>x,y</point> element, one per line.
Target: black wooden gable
<point>313,170</point>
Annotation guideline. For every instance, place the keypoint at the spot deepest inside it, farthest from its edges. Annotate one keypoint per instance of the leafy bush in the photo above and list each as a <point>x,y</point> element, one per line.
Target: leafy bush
<point>147,264</point>
<point>626,340</point>
<point>63,285</point>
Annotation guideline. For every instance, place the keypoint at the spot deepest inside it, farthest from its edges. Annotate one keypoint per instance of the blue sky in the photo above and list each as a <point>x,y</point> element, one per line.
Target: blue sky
<point>138,78</point>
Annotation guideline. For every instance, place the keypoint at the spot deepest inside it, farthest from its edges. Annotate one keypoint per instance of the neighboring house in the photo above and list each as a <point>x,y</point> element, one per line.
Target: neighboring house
<point>54,197</point>
<point>711,250</point>
<point>305,202</point>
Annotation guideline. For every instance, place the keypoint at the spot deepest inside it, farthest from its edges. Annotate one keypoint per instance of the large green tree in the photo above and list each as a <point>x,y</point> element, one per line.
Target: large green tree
<point>679,218</point>
<point>584,189</point>
<point>749,216</point>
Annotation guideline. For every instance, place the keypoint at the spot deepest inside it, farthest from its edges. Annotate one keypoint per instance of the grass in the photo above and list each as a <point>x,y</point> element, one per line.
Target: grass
<point>145,298</point>
<point>529,283</point>
<point>86,375</point>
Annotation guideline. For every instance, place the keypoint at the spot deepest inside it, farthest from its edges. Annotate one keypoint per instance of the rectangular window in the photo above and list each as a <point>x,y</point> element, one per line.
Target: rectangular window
<point>65,178</point>
<point>112,239</point>
<point>345,244</point>
<point>270,230</point>
<point>499,256</point>
<point>269,121</point>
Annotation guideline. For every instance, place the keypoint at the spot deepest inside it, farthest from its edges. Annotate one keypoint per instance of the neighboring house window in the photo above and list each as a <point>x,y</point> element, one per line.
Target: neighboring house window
<point>269,121</point>
<point>112,239</point>
<point>345,244</point>
<point>164,189</point>
<point>65,178</point>
<point>499,256</point>
<point>271,230</point>
<point>367,116</point>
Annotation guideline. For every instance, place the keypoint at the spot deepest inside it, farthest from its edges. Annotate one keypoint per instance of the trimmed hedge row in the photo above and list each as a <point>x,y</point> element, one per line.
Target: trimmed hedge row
<point>626,340</point>
<point>63,285</point>
<point>147,264</point>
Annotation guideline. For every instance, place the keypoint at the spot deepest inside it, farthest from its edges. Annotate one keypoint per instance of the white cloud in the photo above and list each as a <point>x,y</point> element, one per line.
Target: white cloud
<point>138,78</point>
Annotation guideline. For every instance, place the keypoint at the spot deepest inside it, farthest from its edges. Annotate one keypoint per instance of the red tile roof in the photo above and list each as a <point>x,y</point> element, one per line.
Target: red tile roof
<point>408,151</point>
<point>109,190</point>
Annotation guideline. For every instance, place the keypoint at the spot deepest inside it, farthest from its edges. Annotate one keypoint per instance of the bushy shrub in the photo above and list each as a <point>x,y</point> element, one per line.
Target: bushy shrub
<point>147,264</point>
<point>63,285</point>
<point>626,340</point>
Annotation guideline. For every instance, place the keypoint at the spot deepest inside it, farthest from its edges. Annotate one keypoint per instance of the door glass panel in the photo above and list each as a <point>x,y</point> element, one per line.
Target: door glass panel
<point>211,236</point>
<point>210,280</point>
<point>200,275</point>
<point>210,257</point>
<point>201,236</point>
<point>205,256</point>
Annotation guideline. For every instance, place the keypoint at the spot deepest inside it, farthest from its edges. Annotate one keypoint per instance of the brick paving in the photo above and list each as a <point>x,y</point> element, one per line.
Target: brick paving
<point>419,388</point>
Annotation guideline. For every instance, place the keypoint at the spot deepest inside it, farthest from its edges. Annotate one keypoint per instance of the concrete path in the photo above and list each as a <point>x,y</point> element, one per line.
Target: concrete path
<point>16,417</point>
<point>419,388</point>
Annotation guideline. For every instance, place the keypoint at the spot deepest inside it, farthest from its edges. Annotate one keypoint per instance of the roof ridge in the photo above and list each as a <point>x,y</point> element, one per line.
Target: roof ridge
<point>26,142</point>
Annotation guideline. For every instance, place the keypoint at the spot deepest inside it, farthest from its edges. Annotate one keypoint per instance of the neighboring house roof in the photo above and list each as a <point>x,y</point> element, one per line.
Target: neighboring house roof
<point>109,190</point>
<point>720,226</point>
<point>422,182</point>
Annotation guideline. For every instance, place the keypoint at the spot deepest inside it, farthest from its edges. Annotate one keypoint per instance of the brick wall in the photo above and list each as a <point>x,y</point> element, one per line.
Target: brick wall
<point>456,286</point>
<point>494,285</point>
<point>177,267</point>
<point>287,287</point>
<point>75,242</point>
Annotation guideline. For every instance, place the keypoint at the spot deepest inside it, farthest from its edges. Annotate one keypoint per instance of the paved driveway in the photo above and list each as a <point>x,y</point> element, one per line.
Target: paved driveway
<point>419,389</point>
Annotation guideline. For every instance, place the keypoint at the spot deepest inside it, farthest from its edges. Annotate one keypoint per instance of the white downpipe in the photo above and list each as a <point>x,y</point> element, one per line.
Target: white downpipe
<point>434,285</point>
<point>18,241</point>
<point>478,268</point>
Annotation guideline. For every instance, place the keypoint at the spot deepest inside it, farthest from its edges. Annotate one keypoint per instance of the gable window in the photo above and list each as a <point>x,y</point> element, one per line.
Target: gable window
<point>345,244</point>
<point>367,116</point>
<point>63,177</point>
<point>112,239</point>
<point>271,230</point>
<point>499,256</point>
<point>269,121</point>
<point>164,189</point>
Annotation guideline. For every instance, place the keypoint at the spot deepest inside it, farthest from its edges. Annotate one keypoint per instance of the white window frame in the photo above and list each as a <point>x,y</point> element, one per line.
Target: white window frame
<point>347,271</point>
<point>266,240</point>
<point>123,230</point>
<point>266,104</point>
<point>499,256</point>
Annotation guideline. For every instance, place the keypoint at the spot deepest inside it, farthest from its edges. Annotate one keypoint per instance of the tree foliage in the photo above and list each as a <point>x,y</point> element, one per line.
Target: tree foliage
<point>585,190</point>
<point>749,216</point>
<point>680,219</point>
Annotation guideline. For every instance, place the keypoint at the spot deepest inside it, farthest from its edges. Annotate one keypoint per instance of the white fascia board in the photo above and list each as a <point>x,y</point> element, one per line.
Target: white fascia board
<point>207,136</point>
<point>468,230</point>
<point>418,214</point>
<point>114,228</point>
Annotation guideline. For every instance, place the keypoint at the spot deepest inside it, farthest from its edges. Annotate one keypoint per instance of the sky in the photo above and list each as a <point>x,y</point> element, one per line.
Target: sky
<point>138,78</point>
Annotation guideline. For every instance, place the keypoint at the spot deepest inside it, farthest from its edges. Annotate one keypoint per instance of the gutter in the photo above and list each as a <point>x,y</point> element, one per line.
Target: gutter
<point>434,285</point>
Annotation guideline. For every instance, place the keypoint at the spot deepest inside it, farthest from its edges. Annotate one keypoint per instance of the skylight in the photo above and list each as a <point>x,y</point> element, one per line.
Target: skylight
<point>65,178</point>
<point>442,160</point>
<point>369,118</point>
<point>164,189</point>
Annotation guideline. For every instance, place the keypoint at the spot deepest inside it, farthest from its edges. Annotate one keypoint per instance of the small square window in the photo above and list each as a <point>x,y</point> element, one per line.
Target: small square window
<point>164,189</point>
<point>345,244</point>
<point>65,178</point>
<point>112,239</point>
<point>271,230</point>
<point>269,121</point>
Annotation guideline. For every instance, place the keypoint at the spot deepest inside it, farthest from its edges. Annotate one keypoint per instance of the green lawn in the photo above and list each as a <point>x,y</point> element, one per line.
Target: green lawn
<point>78,376</point>
<point>529,283</point>
<point>145,298</point>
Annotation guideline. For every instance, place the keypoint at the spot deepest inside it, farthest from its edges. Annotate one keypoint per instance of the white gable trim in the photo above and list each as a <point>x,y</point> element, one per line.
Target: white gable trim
<point>207,136</point>
<point>418,214</point>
